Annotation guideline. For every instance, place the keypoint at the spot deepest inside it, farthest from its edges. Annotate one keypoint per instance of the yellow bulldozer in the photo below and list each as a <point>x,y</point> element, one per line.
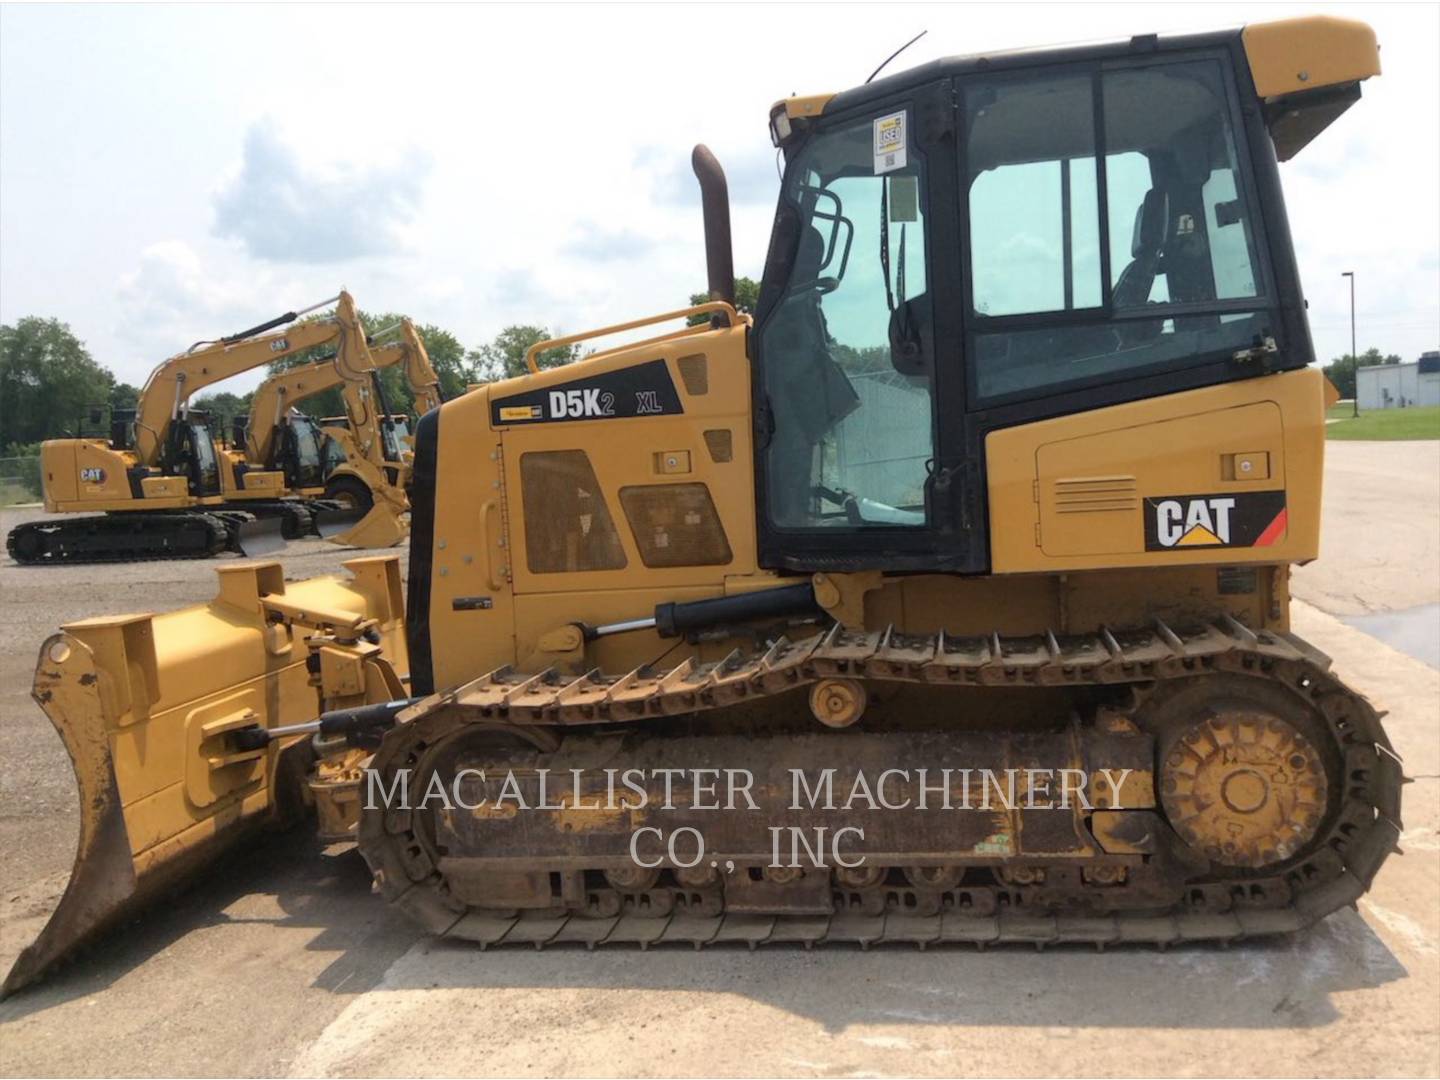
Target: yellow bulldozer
<point>943,598</point>
<point>160,488</point>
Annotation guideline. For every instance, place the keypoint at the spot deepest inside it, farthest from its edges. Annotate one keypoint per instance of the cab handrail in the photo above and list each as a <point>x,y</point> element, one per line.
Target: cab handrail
<point>533,352</point>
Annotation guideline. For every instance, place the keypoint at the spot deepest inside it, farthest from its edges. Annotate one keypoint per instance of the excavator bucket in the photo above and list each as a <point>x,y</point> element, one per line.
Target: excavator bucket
<point>383,526</point>
<point>145,704</point>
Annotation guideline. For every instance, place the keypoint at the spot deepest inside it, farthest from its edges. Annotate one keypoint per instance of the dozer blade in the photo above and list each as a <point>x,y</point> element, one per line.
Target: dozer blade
<point>144,705</point>
<point>261,537</point>
<point>384,526</point>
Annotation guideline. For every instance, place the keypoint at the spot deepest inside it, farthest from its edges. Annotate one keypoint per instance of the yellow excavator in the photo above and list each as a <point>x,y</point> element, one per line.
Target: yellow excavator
<point>315,458</point>
<point>156,489</point>
<point>943,600</point>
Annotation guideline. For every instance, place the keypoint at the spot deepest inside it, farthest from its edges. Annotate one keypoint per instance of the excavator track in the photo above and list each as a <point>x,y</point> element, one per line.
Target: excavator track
<point>125,537</point>
<point>135,537</point>
<point>1177,894</point>
<point>297,516</point>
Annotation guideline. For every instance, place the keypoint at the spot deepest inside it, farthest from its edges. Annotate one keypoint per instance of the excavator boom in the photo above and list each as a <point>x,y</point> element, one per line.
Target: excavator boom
<point>420,374</point>
<point>289,389</point>
<point>170,386</point>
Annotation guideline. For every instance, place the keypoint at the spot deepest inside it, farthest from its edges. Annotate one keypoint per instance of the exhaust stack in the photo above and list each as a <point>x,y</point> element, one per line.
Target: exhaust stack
<point>715,203</point>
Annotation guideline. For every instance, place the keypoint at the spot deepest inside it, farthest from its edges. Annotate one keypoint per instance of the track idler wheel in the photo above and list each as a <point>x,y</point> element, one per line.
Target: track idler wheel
<point>859,877</point>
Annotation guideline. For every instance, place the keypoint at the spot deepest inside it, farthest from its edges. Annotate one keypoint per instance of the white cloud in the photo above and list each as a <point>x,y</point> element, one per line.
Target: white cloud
<point>283,211</point>
<point>599,244</point>
<point>168,295</point>
<point>173,299</point>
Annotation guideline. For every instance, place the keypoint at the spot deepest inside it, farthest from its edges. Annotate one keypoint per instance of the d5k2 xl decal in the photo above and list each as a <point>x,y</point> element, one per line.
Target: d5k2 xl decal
<point>1235,519</point>
<point>643,390</point>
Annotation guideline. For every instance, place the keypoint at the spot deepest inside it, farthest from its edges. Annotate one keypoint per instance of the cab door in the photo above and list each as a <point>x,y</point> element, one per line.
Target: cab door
<point>856,342</point>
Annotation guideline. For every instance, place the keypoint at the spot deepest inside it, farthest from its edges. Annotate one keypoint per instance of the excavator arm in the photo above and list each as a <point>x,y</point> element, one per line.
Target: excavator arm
<point>420,374</point>
<point>287,390</point>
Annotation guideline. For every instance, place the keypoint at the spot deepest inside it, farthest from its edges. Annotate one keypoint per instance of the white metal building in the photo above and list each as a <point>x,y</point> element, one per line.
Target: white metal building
<point>1396,386</point>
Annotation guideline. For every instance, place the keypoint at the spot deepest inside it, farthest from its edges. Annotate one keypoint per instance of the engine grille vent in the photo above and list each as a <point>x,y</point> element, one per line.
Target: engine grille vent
<point>1095,494</point>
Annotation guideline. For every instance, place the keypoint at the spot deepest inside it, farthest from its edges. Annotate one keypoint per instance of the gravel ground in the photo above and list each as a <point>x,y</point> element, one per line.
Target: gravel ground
<point>281,962</point>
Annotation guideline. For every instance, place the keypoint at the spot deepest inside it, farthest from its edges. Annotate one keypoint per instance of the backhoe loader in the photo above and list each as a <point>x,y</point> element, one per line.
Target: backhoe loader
<point>277,437</point>
<point>156,489</point>
<point>956,576</point>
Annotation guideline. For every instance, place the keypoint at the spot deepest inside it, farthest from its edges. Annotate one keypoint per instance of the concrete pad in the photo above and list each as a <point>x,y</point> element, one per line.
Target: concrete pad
<point>1379,530</point>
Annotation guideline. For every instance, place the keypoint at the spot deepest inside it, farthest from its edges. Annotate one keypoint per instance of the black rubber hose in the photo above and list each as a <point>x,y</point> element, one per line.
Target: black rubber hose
<point>279,320</point>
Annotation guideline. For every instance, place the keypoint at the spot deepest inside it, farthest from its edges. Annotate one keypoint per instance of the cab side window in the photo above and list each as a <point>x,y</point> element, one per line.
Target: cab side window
<point>1109,232</point>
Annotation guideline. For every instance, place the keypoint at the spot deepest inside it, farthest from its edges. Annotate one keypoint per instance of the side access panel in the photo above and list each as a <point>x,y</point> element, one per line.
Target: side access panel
<point>1225,474</point>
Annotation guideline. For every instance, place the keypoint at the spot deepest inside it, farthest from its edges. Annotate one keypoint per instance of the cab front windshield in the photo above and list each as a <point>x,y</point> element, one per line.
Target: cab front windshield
<point>207,467</point>
<point>395,432</point>
<point>848,384</point>
<point>306,442</point>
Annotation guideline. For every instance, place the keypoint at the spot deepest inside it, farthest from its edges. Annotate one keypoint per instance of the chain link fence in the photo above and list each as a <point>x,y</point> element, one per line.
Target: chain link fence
<point>19,480</point>
<point>881,448</point>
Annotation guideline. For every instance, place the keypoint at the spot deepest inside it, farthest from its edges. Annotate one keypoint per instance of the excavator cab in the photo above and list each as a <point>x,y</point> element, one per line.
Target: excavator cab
<point>394,440</point>
<point>397,435</point>
<point>332,453</point>
<point>300,452</point>
<point>189,452</point>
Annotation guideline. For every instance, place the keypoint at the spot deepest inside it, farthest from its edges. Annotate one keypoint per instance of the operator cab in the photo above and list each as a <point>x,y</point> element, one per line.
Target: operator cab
<point>298,451</point>
<point>395,431</point>
<point>394,436</point>
<point>985,242</point>
<point>189,451</point>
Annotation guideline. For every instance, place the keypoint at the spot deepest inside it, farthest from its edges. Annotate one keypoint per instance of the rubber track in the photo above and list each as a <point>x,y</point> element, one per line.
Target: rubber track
<point>1337,870</point>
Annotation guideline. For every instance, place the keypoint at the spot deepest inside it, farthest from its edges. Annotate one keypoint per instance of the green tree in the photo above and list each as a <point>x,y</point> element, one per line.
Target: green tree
<point>1341,370</point>
<point>504,357</point>
<point>447,357</point>
<point>48,381</point>
<point>124,396</point>
<point>223,407</point>
<point>747,295</point>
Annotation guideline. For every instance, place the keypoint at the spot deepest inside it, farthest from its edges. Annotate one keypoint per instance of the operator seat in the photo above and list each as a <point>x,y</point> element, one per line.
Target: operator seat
<point>1147,247</point>
<point>1147,244</point>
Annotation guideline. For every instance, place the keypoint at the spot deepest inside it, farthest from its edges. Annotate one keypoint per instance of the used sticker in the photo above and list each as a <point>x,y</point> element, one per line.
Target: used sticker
<point>889,142</point>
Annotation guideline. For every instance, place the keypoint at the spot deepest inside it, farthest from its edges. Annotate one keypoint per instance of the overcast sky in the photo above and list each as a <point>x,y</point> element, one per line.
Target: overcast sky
<point>174,173</point>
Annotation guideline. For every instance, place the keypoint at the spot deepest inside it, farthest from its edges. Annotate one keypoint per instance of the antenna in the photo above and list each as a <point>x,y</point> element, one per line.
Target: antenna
<point>896,53</point>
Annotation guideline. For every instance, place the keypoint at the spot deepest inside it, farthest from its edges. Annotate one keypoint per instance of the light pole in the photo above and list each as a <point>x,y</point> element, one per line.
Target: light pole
<point>1354,357</point>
